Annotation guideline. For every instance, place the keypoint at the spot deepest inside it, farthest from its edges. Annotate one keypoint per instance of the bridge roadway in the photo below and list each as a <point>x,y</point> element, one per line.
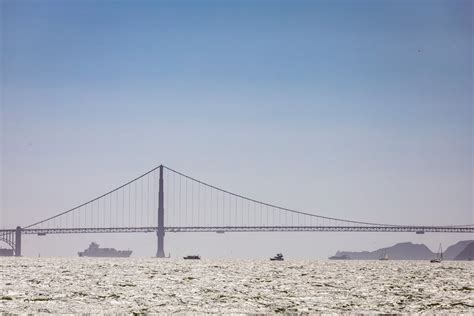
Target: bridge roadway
<point>232,229</point>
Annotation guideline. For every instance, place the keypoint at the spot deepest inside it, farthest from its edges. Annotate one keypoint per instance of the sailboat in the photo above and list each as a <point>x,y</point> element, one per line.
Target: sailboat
<point>439,255</point>
<point>384,258</point>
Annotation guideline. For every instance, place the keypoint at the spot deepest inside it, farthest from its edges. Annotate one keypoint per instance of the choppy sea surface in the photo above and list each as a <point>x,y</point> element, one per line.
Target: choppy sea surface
<point>147,285</point>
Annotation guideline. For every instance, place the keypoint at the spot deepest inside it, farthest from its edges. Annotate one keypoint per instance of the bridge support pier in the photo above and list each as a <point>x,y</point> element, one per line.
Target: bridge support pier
<point>18,242</point>
<point>160,253</point>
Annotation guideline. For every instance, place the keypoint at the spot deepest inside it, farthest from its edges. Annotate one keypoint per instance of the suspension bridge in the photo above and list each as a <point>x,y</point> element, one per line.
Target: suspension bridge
<point>191,206</point>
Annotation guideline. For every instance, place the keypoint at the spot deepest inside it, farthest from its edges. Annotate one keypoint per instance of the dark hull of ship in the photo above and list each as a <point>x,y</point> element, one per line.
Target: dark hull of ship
<point>118,254</point>
<point>192,258</point>
<point>339,258</point>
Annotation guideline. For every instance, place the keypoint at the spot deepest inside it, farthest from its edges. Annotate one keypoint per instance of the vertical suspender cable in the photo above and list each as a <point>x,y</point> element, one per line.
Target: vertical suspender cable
<point>186,200</point>
<point>236,212</point>
<point>123,206</point>
<point>130,205</point>
<point>154,199</point>
<point>180,212</point>
<point>204,206</point>
<point>135,209</point>
<point>110,210</point>
<point>147,224</point>
<point>199,203</point>
<point>141,202</point>
<point>116,208</point>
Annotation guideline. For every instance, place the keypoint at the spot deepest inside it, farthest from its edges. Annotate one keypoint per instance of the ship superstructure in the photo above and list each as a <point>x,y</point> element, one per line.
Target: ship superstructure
<point>95,251</point>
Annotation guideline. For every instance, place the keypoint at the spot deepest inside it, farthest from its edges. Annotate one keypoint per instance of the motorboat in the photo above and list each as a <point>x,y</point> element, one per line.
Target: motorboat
<point>192,257</point>
<point>277,257</point>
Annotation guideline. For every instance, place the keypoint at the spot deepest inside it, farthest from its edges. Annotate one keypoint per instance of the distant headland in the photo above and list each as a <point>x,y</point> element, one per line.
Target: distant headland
<point>463,250</point>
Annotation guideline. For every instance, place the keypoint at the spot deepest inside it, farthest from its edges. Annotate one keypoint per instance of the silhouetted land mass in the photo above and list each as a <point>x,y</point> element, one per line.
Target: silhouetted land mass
<point>454,250</point>
<point>408,251</point>
<point>467,253</point>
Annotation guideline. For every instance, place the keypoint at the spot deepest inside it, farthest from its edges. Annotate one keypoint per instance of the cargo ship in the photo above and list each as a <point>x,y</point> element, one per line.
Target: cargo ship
<point>95,251</point>
<point>340,257</point>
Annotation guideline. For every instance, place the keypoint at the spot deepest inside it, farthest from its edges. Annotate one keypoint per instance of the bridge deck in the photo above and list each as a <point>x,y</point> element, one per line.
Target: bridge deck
<point>231,229</point>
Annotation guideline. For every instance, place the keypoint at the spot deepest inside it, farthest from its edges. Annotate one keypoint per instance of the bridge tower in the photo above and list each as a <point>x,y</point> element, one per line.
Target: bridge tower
<point>18,241</point>
<point>160,253</point>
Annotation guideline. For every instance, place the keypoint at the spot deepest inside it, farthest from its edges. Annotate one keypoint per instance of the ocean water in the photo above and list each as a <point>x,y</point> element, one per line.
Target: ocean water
<point>147,285</point>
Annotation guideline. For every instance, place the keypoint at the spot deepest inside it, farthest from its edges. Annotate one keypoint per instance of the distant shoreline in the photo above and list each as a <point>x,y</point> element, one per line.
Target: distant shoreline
<point>463,250</point>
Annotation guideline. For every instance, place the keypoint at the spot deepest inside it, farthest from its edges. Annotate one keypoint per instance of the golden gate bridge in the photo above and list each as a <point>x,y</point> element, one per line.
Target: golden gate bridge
<point>191,206</point>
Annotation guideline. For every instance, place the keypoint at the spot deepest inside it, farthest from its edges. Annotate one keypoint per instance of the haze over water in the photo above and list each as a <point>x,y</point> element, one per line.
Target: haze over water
<point>92,285</point>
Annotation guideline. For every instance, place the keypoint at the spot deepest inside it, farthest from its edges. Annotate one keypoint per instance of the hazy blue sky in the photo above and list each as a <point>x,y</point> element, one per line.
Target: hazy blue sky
<point>357,109</point>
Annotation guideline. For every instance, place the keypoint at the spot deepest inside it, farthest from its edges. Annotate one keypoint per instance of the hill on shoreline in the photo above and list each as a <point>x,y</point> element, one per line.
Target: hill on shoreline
<point>454,250</point>
<point>467,253</point>
<point>410,251</point>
